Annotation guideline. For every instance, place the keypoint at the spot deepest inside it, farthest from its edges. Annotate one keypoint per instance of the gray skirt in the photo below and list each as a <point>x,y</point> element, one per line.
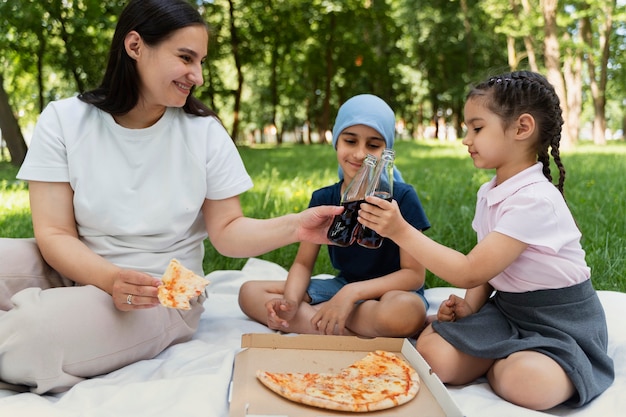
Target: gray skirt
<point>566,324</point>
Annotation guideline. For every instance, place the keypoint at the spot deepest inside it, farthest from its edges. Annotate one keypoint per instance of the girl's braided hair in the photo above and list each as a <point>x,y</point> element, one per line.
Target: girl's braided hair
<point>512,94</point>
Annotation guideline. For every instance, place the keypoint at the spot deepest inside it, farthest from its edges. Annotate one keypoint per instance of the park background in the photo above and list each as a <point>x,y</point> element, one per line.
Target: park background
<point>278,70</point>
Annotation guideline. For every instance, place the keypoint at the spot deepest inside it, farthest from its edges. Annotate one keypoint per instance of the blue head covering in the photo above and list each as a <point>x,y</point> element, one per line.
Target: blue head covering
<point>368,110</point>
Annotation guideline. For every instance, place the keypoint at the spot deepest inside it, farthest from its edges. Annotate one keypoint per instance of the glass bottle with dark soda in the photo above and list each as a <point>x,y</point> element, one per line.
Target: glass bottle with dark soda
<point>381,186</point>
<point>345,226</point>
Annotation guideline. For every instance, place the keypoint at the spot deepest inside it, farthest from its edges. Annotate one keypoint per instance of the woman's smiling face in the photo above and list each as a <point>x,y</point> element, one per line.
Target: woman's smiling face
<point>170,69</point>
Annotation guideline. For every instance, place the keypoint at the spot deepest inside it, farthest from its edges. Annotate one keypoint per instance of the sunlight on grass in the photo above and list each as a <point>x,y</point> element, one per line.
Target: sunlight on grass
<point>14,200</point>
<point>15,209</point>
<point>595,192</point>
<point>445,179</point>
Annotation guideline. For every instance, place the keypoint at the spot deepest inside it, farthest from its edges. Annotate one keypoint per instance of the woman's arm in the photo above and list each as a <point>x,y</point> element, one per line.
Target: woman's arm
<point>235,235</point>
<point>57,238</point>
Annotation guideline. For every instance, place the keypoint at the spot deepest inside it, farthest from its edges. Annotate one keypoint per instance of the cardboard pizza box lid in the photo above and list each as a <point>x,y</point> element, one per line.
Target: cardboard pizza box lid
<point>312,353</point>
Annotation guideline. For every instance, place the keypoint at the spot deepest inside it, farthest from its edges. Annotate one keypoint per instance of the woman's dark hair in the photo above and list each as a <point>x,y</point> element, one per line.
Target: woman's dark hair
<point>155,21</point>
<point>513,94</point>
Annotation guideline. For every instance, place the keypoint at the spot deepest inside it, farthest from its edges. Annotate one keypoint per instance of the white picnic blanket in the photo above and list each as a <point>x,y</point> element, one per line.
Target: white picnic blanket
<point>192,379</point>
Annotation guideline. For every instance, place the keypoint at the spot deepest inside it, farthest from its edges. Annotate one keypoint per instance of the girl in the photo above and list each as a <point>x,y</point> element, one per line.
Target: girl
<point>541,338</point>
<point>378,292</point>
<point>122,179</point>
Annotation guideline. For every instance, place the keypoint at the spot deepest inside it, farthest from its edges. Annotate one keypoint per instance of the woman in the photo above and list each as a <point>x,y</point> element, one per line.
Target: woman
<point>122,179</point>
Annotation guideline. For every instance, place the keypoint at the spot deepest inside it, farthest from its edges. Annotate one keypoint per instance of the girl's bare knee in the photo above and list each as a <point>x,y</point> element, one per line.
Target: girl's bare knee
<point>434,349</point>
<point>531,380</point>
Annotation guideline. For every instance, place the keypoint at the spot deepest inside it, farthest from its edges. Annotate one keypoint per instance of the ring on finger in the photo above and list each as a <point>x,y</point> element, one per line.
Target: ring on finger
<point>129,299</point>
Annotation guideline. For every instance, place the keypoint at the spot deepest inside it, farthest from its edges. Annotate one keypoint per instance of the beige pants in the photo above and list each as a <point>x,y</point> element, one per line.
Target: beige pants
<point>54,334</point>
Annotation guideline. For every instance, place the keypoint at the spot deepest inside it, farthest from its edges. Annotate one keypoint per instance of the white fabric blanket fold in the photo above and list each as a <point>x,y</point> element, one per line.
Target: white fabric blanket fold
<point>193,378</point>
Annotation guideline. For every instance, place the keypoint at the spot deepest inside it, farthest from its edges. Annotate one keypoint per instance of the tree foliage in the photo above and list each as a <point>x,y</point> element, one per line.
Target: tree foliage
<point>280,68</point>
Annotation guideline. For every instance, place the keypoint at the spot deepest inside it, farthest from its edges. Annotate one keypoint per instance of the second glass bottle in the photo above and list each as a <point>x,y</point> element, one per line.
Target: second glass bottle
<point>381,185</point>
<point>345,227</point>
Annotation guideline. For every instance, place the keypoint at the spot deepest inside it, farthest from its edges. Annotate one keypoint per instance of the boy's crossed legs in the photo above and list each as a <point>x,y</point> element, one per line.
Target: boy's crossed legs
<point>395,314</point>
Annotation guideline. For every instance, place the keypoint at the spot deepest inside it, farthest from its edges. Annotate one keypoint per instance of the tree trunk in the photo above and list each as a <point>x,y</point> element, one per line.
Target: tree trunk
<point>55,10</point>
<point>234,42</point>
<point>10,128</point>
<point>419,130</point>
<point>41,50</point>
<point>324,124</point>
<point>511,53</point>
<point>530,52</point>
<point>553,65</point>
<point>306,136</point>
<point>467,30</point>
<point>572,73</point>
<point>597,83</point>
<point>274,94</point>
<point>529,41</point>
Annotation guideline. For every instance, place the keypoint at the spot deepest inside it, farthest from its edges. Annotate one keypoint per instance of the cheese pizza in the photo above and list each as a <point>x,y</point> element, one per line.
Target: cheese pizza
<point>379,381</point>
<point>179,286</point>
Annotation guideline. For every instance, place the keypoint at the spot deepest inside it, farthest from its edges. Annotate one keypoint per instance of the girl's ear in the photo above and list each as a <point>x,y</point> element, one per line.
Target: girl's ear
<point>133,44</point>
<point>525,126</point>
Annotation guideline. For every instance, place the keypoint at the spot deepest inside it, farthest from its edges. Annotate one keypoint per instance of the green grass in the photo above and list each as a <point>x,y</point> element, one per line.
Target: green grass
<point>445,179</point>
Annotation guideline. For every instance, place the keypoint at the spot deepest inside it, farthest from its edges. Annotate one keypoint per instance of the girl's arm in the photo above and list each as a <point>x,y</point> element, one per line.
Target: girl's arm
<point>487,259</point>
<point>477,297</point>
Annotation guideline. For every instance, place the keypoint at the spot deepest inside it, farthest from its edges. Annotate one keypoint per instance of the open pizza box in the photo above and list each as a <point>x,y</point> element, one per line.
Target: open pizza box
<point>311,353</point>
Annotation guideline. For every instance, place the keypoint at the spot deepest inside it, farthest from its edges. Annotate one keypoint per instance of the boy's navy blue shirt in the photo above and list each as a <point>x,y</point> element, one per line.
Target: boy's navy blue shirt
<point>356,263</point>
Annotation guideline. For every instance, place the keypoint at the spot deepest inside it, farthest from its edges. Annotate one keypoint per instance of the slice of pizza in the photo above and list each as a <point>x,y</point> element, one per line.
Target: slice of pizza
<point>379,381</point>
<point>179,286</point>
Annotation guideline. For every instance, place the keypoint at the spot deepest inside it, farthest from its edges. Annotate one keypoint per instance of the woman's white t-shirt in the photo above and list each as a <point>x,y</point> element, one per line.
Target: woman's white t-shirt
<point>138,193</point>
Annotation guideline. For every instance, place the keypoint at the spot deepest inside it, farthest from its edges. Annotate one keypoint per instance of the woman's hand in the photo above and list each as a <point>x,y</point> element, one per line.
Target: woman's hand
<point>313,223</point>
<point>134,290</point>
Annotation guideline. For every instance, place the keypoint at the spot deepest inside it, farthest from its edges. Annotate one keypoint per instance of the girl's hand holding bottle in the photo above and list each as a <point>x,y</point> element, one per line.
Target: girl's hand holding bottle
<point>383,217</point>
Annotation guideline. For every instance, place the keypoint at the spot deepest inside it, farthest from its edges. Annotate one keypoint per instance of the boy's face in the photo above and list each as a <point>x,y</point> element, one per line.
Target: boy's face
<point>353,145</point>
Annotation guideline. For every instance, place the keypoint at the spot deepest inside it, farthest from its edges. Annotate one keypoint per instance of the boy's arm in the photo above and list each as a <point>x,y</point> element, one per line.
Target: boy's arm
<point>282,309</point>
<point>299,275</point>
